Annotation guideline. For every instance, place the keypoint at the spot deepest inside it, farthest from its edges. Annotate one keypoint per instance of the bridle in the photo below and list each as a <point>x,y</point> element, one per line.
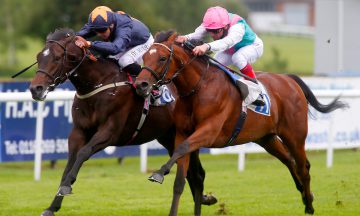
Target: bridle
<point>61,75</point>
<point>160,76</point>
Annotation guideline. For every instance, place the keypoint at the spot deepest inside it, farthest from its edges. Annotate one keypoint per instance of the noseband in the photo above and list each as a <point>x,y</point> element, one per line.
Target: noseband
<point>62,75</point>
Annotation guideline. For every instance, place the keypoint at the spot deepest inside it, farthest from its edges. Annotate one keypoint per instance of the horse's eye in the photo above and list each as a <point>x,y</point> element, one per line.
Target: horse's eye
<point>72,58</point>
<point>162,59</point>
<point>57,58</point>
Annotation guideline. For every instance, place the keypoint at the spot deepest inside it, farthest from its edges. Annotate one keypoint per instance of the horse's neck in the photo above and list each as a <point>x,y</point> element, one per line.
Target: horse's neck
<point>92,75</point>
<point>190,78</point>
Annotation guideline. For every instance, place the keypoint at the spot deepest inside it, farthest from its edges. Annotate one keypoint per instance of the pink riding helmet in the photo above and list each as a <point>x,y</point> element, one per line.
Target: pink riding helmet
<point>216,18</point>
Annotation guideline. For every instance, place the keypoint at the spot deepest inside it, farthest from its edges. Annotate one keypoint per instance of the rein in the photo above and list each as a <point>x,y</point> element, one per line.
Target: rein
<point>160,78</point>
<point>61,76</point>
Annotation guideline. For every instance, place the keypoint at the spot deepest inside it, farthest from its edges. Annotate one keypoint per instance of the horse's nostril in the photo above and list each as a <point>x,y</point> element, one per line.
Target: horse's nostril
<point>144,85</point>
<point>36,89</point>
<point>39,88</point>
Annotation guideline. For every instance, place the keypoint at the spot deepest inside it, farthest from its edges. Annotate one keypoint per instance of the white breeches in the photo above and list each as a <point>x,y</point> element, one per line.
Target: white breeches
<point>245,55</point>
<point>134,54</point>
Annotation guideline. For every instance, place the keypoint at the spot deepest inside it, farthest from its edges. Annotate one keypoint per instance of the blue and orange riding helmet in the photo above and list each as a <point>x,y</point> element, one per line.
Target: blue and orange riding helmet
<point>101,18</point>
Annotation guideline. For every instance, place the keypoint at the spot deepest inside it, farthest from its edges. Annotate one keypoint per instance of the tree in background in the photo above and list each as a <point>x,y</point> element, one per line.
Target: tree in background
<point>27,21</point>
<point>159,15</point>
<point>277,63</point>
<point>13,24</point>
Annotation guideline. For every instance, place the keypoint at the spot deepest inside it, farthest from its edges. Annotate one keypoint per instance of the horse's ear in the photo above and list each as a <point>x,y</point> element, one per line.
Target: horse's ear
<point>173,37</point>
<point>156,35</point>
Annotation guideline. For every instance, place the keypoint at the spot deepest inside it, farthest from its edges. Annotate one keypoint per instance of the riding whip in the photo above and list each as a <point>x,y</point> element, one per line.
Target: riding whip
<point>23,70</point>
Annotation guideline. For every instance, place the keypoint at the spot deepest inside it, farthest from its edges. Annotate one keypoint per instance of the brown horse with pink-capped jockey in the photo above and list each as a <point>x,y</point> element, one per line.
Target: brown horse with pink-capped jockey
<point>210,111</point>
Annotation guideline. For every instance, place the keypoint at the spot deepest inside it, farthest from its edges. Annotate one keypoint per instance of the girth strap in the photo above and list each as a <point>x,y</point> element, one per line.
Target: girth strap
<point>145,112</point>
<point>238,126</point>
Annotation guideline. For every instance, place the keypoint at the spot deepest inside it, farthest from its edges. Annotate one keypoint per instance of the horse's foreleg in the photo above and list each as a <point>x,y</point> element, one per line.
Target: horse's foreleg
<point>204,136</point>
<point>195,175</point>
<point>182,168</point>
<point>57,201</point>
<point>54,207</point>
<point>181,150</point>
<point>75,142</point>
<point>97,143</point>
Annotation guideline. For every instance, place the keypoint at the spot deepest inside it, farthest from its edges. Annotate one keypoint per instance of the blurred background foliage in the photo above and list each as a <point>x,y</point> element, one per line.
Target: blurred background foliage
<point>26,23</point>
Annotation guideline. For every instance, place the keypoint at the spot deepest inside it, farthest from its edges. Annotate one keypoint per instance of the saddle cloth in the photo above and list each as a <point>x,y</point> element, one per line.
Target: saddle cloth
<point>263,110</point>
<point>236,80</point>
<point>161,97</point>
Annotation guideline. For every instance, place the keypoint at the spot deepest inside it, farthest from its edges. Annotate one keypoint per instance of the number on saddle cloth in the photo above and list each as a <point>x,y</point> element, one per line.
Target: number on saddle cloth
<point>162,96</point>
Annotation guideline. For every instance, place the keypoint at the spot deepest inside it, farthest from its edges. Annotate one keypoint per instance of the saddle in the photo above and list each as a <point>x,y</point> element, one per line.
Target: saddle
<point>243,87</point>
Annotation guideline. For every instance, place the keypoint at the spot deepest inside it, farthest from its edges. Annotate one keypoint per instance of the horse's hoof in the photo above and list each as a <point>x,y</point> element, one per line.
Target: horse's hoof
<point>309,211</point>
<point>47,213</point>
<point>64,190</point>
<point>208,199</point>
<point>156,177</point>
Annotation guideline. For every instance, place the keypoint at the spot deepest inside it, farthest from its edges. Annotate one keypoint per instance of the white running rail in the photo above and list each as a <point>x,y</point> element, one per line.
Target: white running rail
<point>69,95</point>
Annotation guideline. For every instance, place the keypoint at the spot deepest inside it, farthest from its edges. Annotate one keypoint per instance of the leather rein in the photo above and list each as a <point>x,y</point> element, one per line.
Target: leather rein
<point>61,76</point>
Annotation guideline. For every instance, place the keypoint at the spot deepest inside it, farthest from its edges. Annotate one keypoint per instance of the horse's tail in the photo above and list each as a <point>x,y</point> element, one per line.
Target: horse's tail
<point>335,104</point>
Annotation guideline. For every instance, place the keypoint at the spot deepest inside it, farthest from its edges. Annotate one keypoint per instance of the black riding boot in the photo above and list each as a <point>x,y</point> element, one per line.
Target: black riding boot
<point>133,69</point>
<point>259,101</point>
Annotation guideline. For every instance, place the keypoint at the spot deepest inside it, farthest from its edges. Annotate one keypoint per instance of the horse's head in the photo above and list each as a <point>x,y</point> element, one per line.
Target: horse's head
<point>162,63</point>
<point>56,62</point>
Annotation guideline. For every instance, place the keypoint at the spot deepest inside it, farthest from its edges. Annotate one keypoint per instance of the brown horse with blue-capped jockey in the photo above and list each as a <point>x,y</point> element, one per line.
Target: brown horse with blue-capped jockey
<point>106,111</point>
<point>210,112</point>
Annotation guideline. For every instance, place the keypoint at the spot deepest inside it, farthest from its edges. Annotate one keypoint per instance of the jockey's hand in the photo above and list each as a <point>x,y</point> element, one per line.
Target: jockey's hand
<point>81,42</point>
<point>201,50</point>
<point>180,39</point>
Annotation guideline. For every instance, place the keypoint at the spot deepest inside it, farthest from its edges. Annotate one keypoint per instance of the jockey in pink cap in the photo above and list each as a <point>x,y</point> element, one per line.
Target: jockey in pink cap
<point>234,43</point>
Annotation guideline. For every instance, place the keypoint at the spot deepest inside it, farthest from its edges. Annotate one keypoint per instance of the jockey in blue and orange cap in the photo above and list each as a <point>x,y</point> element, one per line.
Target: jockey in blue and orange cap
<point>124,38</point>
<point>100,19</point>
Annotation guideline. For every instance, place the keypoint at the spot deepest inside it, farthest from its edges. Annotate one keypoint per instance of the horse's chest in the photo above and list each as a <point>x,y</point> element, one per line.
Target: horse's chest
<point>86,117</point>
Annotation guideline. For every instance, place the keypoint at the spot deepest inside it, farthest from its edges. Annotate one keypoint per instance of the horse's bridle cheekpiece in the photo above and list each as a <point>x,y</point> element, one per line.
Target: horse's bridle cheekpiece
<point>160,76</point>
<point>61,76</point>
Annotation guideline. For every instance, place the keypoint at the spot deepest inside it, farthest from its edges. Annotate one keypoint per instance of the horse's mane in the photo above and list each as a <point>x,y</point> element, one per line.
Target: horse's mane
<point>163,35</point>
<point>60,34</point>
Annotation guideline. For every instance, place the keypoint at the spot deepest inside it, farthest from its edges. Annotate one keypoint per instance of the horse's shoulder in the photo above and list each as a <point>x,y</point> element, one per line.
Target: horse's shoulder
<point>108,62</point>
